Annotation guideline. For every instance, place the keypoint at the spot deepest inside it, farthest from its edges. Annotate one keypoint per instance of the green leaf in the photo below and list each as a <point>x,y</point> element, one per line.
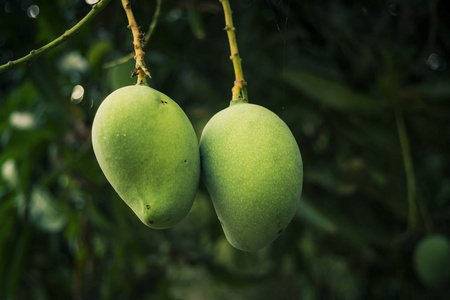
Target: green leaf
<point>17,262</point>
<point>120,76</point>
<point>23,141</point>
<point>97,52</point>
<point>332,94</point>
<point>45,212</point>
<point>9,173</point>
<point>196,23</point>
<point>18,99</point>
<point>310,213</point>
<point>8,219</point>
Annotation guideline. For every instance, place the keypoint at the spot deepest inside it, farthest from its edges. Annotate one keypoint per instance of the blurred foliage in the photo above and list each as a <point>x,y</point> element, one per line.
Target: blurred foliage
<point>336,71</point>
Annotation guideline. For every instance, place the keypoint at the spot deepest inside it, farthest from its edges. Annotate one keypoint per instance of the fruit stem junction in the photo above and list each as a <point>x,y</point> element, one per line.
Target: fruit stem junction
<point>140,70</point>
<point>239,90</point>
<point>96,8</point>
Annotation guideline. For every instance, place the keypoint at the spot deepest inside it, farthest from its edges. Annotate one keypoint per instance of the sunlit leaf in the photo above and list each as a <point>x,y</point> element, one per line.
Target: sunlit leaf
<point>45,212</point>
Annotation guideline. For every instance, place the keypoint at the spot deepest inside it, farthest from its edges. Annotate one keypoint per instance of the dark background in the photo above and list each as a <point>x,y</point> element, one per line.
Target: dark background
<point>350,78</point>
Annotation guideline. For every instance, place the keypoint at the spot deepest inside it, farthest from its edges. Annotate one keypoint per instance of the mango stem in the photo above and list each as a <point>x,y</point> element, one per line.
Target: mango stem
<point>140,70</point>
<point>239,90</point>
<point>148,35</point>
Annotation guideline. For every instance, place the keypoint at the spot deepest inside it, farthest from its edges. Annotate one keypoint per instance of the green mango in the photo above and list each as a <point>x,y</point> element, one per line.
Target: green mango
<point>432,260</point>
<point>148,150</point>
<point>253,170</point>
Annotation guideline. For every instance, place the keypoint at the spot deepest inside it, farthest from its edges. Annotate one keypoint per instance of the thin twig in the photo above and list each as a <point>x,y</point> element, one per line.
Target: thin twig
<point>96,8</point>
<point>239,90</point>
<point>150,30</point>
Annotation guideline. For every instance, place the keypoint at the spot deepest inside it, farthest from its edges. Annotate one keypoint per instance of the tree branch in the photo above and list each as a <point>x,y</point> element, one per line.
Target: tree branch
<point>96,8</point>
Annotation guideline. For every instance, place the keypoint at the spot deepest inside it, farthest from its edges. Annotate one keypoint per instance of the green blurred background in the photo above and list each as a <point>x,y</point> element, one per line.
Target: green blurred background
<point>363,85</point>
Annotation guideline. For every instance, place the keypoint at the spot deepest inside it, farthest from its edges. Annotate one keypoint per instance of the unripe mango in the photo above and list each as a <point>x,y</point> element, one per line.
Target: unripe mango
<point>432,260</point>
<point>253,170</point>
<point>148,151</point>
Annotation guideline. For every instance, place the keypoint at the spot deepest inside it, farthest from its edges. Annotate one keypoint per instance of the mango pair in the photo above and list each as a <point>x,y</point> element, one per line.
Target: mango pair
<point>249,159</point>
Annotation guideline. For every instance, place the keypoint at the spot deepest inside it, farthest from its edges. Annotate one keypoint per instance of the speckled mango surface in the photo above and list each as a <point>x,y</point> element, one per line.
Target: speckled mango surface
<point>148,151</point>
<point>253,170</point>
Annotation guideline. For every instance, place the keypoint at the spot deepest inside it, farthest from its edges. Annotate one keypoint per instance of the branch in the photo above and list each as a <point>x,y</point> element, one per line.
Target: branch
<point>96,8</point>
<point>144,44</point>
<point>141,70</point>
<point>239,90</point>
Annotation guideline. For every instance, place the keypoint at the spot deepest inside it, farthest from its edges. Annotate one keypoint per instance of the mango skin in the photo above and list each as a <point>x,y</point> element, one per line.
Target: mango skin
<point>432,261</point>
<point>253,170</point>
<point>148,150</point>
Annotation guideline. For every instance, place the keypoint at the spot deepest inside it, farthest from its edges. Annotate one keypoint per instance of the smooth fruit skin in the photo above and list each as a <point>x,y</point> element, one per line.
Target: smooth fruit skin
<point>432,260</point>
<point>253,170</point>
<point>148,151</point>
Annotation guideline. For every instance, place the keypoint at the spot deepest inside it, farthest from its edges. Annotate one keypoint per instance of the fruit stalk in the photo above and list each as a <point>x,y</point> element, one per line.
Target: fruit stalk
<point>149,33</point>
<point>96,8</point>
<point>141,69</point>
<point>239,90</point>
